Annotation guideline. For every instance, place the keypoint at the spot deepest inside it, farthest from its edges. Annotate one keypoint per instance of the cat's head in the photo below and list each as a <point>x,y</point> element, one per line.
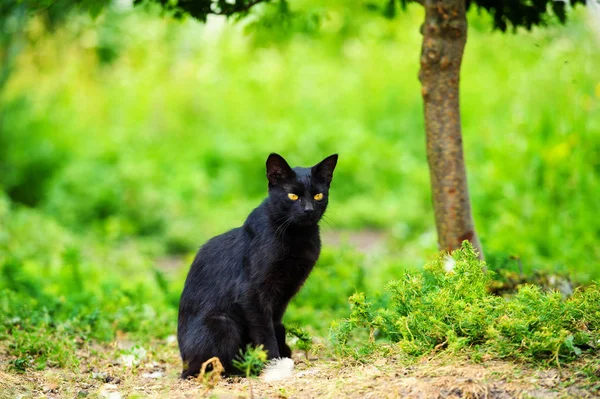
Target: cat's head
<point>299,195</point>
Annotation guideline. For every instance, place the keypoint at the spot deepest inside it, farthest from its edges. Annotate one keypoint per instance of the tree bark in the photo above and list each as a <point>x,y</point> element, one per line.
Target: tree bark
<point>444,38</point>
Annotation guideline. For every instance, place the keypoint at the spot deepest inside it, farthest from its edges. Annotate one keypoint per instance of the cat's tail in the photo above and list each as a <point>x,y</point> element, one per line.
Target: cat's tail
<point>278,369</point>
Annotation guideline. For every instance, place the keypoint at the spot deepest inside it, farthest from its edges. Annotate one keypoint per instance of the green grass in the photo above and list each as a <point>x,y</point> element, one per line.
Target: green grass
<point>132,138</point>
<point>59,292</point>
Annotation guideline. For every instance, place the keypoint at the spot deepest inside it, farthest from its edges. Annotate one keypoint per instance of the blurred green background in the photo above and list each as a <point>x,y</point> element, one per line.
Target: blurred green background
<point>128,140</point>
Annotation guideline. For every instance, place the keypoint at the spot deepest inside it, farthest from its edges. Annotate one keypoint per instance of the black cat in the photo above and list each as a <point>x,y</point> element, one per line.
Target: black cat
<point>241,282</point>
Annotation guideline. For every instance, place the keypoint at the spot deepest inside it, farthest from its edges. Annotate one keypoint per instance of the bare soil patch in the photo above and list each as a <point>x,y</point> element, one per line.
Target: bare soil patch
<point>364,241</point>
<point>104,372</point>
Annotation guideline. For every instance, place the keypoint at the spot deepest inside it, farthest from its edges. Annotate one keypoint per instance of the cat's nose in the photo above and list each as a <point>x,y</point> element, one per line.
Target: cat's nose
<point>308,209</point>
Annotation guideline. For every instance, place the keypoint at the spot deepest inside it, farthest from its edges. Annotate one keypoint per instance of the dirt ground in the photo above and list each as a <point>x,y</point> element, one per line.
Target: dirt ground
<point>104,372</point>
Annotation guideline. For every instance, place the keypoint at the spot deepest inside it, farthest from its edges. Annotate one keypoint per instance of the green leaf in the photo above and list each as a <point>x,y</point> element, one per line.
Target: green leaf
<point>390,9</point>
<point>559,9</point>
<point>569,344</point>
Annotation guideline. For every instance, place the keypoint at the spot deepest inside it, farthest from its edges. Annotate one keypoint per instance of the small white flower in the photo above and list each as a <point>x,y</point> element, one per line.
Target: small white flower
<point>449,263</point>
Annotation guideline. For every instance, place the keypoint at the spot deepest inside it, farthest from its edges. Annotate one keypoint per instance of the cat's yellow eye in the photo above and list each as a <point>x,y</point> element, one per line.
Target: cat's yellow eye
<point>318,197</point>
<point>292,196</point>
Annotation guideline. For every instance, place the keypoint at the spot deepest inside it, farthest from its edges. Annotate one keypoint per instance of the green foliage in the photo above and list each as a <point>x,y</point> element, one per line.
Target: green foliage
<point>55,9</point>
<point>56,295</point>
<point>47,331</point>
<point>304,339</point>
<point>523,13</point>
<point>251,361</point>
<point>200,9</point>
<point>515,13</point>
<point>438,308</point>
<point>168,161</point>
<point>27,161</point>
<point>337,275</point>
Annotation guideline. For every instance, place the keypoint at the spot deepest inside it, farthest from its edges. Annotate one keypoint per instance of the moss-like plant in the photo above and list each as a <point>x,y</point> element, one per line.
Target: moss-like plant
<point>251,361</point>
<point>453,309</point>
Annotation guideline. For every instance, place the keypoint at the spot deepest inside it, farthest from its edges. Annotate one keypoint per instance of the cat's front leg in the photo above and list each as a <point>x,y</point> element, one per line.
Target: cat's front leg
<point>261,330</point>
<point>284,349</point>
<point>265,335</point>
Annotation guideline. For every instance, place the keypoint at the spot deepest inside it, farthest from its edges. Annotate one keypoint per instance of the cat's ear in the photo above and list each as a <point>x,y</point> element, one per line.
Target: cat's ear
<point>278,170</point>
<point>323,171</point>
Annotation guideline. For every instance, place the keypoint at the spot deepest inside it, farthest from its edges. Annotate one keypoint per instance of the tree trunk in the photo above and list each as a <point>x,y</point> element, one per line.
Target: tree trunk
<point>444,38</point>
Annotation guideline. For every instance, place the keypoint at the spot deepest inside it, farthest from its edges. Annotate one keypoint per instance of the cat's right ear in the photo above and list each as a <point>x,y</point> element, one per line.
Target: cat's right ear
<point>278,170</point>
<point>323,171</point>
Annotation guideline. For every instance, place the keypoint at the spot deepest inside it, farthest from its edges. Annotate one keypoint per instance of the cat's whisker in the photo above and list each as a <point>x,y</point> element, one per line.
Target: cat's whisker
<point>287,227</point>
<point>327,220</point>
<point>328,224</point>
<point>288,221</point>
<point>283,216</point>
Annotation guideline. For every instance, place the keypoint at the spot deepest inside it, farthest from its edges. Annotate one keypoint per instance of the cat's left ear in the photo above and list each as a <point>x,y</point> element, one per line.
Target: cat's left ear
<point>323,171</point>
<point>278,170</point>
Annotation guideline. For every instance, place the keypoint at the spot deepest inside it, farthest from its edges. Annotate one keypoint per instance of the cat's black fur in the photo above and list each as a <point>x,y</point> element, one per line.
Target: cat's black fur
<point>241,282</point>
